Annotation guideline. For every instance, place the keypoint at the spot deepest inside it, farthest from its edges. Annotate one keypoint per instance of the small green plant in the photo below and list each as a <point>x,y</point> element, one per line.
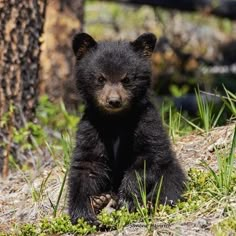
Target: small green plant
<point>28,230</point>
<point>230,101</point>
<point>62,225</point>
<point>174,121</point>
<point>63,149</point>
<point>55,226</point>
<point>223,178</point>
<point>30,136</point>
<point>225,227</point>
<point>145,208</point>
<point>118,219</point>
<point>55,207</point>
<point>177,91</point>
<point>192,123</point>
<point>66,146</point>
<point>36,193</point>
<point>56,116</point>
<point>207,112</point>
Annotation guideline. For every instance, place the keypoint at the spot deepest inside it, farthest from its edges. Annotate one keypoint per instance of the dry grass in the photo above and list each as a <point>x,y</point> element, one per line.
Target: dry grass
<point>17,205</point>
<point>194,148</point>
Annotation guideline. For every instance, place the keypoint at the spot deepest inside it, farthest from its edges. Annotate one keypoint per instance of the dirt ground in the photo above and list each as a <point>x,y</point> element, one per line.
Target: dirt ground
<point>20,188</point>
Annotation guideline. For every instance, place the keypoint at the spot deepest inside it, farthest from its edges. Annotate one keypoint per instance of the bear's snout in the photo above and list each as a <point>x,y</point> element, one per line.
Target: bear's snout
<point>113,97</point>
<point>114,102</point>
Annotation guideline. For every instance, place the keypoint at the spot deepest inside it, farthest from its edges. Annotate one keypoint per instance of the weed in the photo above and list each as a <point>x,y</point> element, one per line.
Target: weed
<point>174,121</point>
<point>118,219</point>
<point>206,111</point>
<point>145,208</point>
<point>223,179</point>
<point>55,207</point>
<point>37,194</point>
<point>66,145</point>
<point>22,136</point>
<point>56,116</point>
<point>60,225</point>
<point>177,91</point>
<point>230,101</point>
<point>193,124</point>
<point>53,226</point>
<point>225,227</point>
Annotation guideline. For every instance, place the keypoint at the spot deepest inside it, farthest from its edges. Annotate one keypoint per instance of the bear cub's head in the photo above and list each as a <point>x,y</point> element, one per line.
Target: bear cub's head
<point>113,76</point>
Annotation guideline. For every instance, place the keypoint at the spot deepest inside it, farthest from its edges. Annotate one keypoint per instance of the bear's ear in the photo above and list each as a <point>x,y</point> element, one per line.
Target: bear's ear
<point>81,43</point>
<point>145,43</point>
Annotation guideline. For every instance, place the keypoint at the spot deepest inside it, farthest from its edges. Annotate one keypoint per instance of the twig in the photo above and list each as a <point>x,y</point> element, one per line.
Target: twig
<point>215,95</point>
<point>5,168</point>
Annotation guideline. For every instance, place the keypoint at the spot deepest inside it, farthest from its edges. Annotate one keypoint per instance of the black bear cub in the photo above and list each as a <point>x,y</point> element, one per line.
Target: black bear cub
<point>121,132</point>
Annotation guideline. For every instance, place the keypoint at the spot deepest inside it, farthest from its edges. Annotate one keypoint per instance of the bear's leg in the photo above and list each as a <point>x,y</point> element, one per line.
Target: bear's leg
<point>173,184</point>
<point>89,172</point>
<point>171,189</point>
<point>153,156</point>
<point>86,179</point>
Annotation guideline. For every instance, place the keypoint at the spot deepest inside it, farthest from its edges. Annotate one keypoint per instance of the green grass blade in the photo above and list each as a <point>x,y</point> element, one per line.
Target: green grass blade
<point>192,124</point>
<point>218,116</point>
<point>60,194</point>
<point>158,195</point>
<point>231,158</point>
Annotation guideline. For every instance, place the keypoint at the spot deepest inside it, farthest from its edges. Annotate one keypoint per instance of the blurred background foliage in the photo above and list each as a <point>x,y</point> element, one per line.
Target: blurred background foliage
<point>192,49</point>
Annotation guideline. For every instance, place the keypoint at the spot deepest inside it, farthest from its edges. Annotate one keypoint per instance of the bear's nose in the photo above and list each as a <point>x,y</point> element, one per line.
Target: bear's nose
<point>114,102</point>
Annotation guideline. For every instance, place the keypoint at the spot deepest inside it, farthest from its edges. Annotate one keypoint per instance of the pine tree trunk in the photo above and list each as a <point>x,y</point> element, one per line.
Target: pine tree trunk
<point>57,55</point>
<point>21,26</point>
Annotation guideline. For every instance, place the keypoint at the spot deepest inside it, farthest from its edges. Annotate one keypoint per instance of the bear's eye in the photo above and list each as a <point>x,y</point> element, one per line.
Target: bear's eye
<point>101,79</point>
<point>125,80</point>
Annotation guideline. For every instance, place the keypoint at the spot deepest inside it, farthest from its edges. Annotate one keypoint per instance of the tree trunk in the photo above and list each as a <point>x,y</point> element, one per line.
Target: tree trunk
<point>21,26</point>
<point>57,55</point>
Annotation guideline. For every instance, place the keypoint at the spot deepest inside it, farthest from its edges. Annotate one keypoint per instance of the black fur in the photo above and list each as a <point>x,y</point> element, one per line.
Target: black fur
<point>111,148</point>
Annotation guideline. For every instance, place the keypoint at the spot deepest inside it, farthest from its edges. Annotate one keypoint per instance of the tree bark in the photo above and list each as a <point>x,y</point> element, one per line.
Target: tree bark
<point>57,55</point>
<point>21,26</point>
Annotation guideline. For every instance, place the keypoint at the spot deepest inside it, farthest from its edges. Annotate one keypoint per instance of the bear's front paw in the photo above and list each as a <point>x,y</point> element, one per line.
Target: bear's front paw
<point>103,201</point>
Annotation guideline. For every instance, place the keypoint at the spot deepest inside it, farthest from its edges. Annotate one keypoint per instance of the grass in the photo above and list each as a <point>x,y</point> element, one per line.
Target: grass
<point>207,112</point>
<point>201,200</point>
<point>67,146</point>
<point>118,219</point>
<point>230,101</point>
<point>36,193</point>
<point>146,210</point>
<point>47,226</point>
<point>225,227</point>
<point>223,178</point>
<point>174,121</point>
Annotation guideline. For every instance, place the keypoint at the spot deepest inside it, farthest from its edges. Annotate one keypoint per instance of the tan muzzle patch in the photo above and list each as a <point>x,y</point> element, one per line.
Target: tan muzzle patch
<point>113,97</point>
